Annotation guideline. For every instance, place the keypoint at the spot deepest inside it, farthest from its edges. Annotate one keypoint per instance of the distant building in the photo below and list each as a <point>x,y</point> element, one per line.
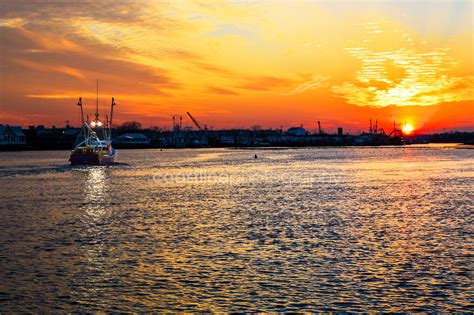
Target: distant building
<point>296,131</point>
<point>11,136</point>
<point>227,139</point>
<point>132,140</point>
<point>72,131</point>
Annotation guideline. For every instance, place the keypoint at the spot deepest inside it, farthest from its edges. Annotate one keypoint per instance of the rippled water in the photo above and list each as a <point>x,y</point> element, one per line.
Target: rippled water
<point>346,229</point>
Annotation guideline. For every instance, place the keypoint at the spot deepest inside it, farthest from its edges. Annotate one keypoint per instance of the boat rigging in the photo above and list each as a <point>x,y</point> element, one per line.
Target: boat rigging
<point>89,148</point>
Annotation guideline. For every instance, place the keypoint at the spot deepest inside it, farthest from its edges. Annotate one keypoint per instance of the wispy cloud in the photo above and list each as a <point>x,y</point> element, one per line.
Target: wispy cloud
<point>221,91</point>
<point>50,41</point>
<point>266,83</point>
<point>212,68</point>
<point>316,81</point>
<point>13,22</point>
<point>51,68</point>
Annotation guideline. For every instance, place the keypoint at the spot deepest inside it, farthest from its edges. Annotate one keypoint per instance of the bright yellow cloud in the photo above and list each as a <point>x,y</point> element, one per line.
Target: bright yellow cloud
<point>15,22</point>
<point>423,79</point>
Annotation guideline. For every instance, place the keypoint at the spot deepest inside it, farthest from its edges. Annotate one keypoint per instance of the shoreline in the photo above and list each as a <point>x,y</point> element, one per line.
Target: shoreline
<point>431,145</point>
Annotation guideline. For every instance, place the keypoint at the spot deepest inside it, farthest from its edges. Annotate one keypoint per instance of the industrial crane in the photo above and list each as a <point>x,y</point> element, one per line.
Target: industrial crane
<point>195,121</point>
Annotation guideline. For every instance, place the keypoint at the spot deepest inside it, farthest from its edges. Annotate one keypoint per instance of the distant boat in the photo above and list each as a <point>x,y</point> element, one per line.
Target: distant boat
<point>89,148</point>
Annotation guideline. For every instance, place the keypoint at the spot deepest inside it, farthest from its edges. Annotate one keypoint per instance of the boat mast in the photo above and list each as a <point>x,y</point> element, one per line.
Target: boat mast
<point>82,112</point>
<point>111,115</point>
<point>105,128</point>
<point>97,103</point>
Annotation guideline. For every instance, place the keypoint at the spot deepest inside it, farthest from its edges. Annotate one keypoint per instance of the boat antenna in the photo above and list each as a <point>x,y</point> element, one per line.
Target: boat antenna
<point>97,102</point>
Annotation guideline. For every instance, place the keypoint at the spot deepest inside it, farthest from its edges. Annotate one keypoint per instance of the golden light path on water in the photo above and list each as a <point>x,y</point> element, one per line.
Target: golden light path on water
<point>329,229</point>
<point>95,208</point>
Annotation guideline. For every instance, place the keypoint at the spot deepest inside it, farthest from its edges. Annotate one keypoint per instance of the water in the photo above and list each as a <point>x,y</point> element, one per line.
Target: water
<point>341,229</point>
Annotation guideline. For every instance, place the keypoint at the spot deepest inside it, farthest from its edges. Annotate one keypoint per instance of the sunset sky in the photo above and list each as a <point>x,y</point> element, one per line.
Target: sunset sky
<point>235,64</point>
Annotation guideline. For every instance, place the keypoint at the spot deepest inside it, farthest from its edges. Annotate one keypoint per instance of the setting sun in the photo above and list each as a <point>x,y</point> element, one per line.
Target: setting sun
<point>407,129</point>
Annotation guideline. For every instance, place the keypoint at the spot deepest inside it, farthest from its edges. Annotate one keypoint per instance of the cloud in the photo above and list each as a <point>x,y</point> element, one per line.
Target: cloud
<point>14,22</point>
<point>55,96</point>
<point>68,99</point>
<point>316,81</point>
<point>32,51</point>
<point>221,91</point>
<point>50,41</point>
<point>212,68</point>
<point>148,39</point>
<point>51,68</point>
<point>55,11</point>
<point>404,77</point>
<point>265,83</point>
<point>232,30</point>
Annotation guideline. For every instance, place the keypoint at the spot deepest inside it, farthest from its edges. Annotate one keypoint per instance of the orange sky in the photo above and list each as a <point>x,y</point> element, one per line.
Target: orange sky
<point>240,63</point>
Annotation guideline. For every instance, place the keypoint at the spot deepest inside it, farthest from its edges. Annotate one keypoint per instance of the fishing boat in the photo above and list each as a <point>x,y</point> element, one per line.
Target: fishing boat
<point>89,148</point>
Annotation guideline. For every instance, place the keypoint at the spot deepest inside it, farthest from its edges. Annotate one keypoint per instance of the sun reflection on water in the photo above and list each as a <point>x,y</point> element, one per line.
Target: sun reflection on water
<point>94,217</point>
<point>95,193</point>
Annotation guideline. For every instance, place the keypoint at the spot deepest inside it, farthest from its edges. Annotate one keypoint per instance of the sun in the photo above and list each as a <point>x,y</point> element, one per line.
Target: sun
<point>408,129</point>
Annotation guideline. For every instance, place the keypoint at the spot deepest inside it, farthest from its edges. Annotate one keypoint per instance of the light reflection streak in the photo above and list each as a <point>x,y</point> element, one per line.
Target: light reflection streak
<point>95,207</point>
<point>95,194</point>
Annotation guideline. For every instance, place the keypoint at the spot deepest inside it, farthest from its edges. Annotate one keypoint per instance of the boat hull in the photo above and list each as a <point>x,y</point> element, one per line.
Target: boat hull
<point>91,159</point>
<point>108,159</point>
